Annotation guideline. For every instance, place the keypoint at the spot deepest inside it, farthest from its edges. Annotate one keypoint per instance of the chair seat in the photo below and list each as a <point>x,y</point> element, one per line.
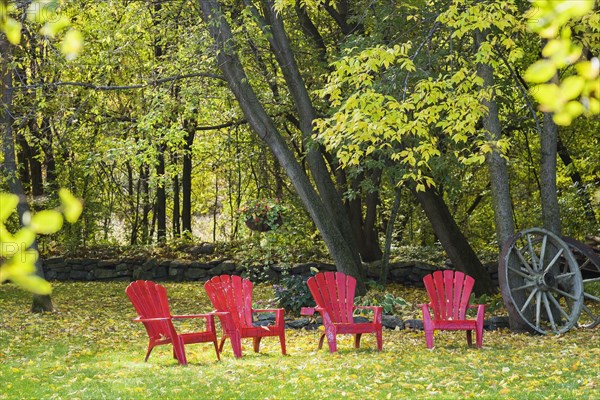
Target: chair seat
<point>254,331</point>
<point>461,324</point>
<point>363,327</point>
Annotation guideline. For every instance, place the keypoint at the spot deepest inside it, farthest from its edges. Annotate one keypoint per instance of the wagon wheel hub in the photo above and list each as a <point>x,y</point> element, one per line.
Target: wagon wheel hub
<point>547,281</point>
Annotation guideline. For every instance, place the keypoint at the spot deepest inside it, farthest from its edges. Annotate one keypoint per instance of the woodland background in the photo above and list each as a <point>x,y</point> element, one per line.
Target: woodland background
<point>150,128</point>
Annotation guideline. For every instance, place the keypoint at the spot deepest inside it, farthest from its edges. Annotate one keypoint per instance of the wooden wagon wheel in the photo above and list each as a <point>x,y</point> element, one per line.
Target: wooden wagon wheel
<point>541,277</point>
<point>589,265</point>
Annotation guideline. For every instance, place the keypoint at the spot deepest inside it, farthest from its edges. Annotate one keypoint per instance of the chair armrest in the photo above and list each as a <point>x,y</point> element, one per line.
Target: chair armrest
<point>480,313</point>
<point>273,310</point>
<point>138,319</point>
<point>307,311</point>
<point>377,312</point>
<point>220,313</point>
<point>210,319</point>
<point>278,314</point>
<point>187,316</point>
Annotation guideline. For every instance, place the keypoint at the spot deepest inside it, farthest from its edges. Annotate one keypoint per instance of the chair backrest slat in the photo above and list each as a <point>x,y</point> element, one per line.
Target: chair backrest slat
<point>334,291</point>
<point>150,301</point>
<point>232,294</point>
<point>449,293</point>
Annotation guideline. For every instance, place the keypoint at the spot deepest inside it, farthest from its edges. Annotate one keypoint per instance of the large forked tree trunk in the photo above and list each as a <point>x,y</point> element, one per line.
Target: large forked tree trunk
<point>40,302</point>
<point>274,31</point>
<point>337,241</point>
<point>452,239</point>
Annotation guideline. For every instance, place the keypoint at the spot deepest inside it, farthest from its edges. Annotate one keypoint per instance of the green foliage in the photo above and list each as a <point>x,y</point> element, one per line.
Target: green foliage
<point>392,305</point>
<point>292,293</point>
<point>578,93</point>
<point>97,352</point>
<point>16,252</point>
<point>493,303</point>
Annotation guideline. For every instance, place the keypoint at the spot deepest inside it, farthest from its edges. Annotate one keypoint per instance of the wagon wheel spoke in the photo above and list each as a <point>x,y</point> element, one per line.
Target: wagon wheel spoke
<point>595,319</point>
<point>521,274</point>
<point>525,263</point>
<point>525,286</point>
<point>538,308</point>
<point>565,294</point>
<point>566,275</point>
<point>549,311</point>
<point>559,307</point>
<point>543,251</point>
<point>528,300</point>
<point>591,297</point>
<point>551,263</point>
<point>534,261</point>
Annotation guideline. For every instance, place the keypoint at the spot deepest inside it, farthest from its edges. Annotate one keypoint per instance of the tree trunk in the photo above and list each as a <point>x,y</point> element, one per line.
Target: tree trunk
<point>49,160</point>
<point>176,207</point>
<point>161,197</point>
<point>452,239</point>
<point>389,232</point>
<point>40,302</point>
<point>499,182</point>
<point>549,195</point>
<point>344,255</point>
<point>186,180</point>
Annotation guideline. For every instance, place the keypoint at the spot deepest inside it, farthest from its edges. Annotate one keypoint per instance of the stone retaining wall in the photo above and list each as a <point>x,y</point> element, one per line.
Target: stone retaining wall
<point>130,269</point>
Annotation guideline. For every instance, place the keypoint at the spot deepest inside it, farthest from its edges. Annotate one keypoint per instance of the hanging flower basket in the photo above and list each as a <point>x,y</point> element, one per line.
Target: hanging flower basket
<point>262,215</point>
<point>259,225</point>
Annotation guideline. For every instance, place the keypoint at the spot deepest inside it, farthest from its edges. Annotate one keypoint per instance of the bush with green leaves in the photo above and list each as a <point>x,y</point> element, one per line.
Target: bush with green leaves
<point>292,293</point>
<point>391,304</point>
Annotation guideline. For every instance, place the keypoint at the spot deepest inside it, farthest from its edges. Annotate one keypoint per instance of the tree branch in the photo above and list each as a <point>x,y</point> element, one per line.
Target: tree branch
<point>93,86</point>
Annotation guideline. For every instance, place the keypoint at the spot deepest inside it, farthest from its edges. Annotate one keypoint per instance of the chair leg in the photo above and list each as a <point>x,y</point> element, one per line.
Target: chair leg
<point>282,343</point>
<point>236,344</point>
<point>429,338</point>
<point>150,347</point>
<point>321,341</point>
<point>217,349</point>
<point>469,338</point>
<point>479,337</point>
<point>379,337</point>
<point>179,350</point>
<point>222,342</point>
<point>357,337</point>
<point>257,344</point>
<point>332,342</point>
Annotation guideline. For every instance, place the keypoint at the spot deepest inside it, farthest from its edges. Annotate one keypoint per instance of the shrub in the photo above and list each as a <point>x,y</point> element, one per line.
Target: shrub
<point>292,293</point>
<point>391,304</point>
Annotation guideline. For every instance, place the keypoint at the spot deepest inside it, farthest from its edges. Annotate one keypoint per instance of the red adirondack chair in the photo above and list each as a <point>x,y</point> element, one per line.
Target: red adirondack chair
<point>151,303</point>
<point>232,298</point>
<point>449,293</point>
<point>334,294</point>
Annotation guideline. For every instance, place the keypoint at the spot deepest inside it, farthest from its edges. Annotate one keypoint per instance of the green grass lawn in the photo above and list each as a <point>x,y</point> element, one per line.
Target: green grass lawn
<point>90,349</point>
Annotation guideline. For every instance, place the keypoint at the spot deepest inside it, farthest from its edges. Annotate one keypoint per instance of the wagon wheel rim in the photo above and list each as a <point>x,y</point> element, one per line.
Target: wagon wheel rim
<point>542,281</point>
<point>589,266</point>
